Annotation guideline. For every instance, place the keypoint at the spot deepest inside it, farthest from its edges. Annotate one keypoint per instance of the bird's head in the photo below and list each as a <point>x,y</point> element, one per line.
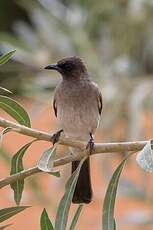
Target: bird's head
<point>69,67</point>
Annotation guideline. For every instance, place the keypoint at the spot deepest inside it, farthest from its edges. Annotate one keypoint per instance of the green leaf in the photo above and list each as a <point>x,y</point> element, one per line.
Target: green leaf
<point>56,173</point>
<point>46,161</point>
<point>45,222</point>
<point>5,226</point>
<point>64,206</point>
<point>144,158</point>
<point>15,110</point>
<point>114,225</point>
<point>109,200</point>
<point>5,90</point>
<point>4,58</point>
<point>6,130</point>
<point>17,166</point>
<point>6,213</point>
<point>76,217</point>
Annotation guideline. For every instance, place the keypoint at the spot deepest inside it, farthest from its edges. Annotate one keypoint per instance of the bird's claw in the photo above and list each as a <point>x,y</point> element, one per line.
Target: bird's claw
<point>55,137</point>
<point>90,145</point>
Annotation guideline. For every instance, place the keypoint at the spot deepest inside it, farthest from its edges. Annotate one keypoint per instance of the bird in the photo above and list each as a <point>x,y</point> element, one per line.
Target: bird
<point>78,106</point>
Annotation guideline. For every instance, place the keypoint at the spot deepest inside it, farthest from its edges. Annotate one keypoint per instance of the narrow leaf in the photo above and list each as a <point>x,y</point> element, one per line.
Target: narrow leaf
<point>76,217</point>
<point>5,90</point>
<point>45,222</point>
<point>109,200</point>
<point>4,58</point>
<point>144,158</point>
<point>15,110</point>
<point>46,161</point>
<point>56,173</point>
<point>6,213</point>
<point>17,166</point>
<point>6,130</point>
<point>64,206</point>
<point>114,225</point>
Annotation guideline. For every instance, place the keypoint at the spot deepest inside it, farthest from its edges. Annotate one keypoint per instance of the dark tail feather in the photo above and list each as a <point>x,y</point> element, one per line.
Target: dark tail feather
<point>83,190</point>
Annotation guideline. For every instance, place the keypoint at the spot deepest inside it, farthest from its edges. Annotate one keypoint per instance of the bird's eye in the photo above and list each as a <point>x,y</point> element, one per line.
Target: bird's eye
<point>66,66</point>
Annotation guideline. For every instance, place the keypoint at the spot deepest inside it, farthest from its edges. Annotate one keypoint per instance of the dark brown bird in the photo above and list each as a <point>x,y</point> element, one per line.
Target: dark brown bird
<point>78,106</point>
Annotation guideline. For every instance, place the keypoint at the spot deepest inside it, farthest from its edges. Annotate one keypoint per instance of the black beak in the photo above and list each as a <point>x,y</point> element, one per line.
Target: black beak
<point>52,66</point>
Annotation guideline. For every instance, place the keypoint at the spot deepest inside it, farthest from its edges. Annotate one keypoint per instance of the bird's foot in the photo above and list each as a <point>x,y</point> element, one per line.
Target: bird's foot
<point>56,136</point>
<point>90,145</point>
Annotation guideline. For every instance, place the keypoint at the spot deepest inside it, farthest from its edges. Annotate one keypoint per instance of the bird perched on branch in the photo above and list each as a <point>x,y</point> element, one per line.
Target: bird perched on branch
<point>77,106</point>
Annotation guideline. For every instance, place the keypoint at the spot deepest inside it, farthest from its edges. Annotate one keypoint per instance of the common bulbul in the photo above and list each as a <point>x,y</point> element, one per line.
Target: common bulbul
<point>77,106</point>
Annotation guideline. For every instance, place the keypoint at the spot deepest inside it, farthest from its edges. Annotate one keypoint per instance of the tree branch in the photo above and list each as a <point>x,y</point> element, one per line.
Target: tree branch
<point>29,172</point>
<point>40,135</point>
<point>99,147</point>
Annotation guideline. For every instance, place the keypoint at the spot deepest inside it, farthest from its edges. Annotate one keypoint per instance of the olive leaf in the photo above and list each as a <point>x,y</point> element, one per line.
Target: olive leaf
<point>6,213</point>
<point>46,161</point>
<point>65,203</point>
<point>45,222</point>
<point>15,110</point>
<point>4,58</point>
<point>17,166</point>
<point>5,90</point>
<point>108,221</point>
<point>76,217</point>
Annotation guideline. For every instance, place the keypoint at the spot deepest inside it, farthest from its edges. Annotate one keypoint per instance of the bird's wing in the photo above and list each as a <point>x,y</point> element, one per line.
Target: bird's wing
<point>55,107</point>
<point>100,102</point>
<point>98,97</point>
